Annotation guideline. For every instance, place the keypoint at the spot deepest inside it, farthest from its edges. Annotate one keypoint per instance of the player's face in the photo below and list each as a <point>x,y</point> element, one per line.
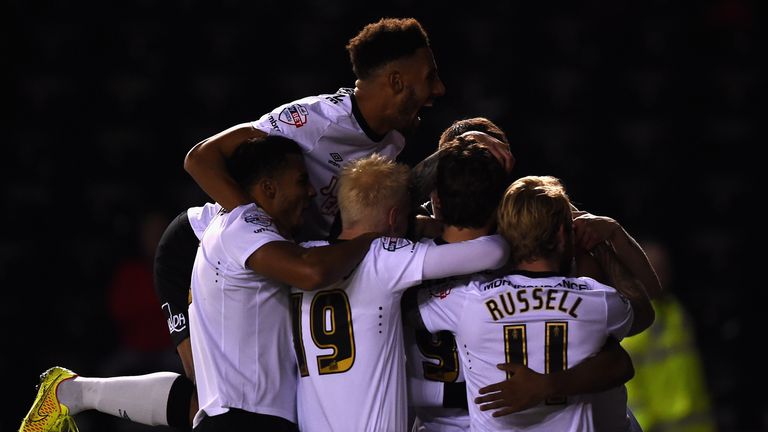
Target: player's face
<point>422,87</point>
<point>293,194</point>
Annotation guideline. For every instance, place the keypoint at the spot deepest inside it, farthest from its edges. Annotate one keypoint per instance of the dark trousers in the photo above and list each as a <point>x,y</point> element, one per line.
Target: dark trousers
<point>239,420</point>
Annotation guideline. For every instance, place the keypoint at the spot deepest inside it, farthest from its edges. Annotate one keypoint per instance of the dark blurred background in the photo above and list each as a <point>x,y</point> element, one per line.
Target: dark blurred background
<point>648,111</point>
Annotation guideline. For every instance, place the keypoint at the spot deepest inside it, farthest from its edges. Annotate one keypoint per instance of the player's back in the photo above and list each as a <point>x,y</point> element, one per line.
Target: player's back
<point>544,321</point>
<point>435,375</point>
<point>350,350</point>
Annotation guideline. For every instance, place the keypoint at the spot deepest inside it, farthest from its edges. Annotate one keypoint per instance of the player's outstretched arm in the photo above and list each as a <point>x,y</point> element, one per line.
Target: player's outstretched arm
<point>206,163</point>
<point>487,252</point>
<point>309,268</point>
<point>526,388</point>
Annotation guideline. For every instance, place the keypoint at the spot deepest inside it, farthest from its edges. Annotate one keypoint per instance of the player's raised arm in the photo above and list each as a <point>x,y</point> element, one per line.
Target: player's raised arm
<point>206,163</point>
<point>592,230</point>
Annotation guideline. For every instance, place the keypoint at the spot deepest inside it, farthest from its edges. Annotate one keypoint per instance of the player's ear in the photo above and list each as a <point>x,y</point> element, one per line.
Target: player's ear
<point>436,210</point>
<point>268,187</point>
<point>397,221</point>
<point>395,81</point>
<point>392,221</point>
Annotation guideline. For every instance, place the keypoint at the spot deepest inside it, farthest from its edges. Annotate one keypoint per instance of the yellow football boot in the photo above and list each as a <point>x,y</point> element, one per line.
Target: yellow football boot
<point>47,413</point>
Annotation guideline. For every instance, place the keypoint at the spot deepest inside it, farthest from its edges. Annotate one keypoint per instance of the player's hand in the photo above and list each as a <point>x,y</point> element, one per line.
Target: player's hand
<point>591,230</point>
<point>498,149</point>
<point>524,389</point>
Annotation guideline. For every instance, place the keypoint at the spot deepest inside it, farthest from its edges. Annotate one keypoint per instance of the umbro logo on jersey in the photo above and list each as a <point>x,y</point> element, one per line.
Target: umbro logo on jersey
<point>273,122</point>
<point>335,159</point>
<point>294,115</point>
<point>177,322</point>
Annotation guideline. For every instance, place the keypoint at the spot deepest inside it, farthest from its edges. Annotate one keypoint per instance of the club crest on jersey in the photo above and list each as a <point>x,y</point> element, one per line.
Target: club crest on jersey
<point>294,115</point>
<point>440,291</point>
<point>392,244</point>
<point>258,218</point>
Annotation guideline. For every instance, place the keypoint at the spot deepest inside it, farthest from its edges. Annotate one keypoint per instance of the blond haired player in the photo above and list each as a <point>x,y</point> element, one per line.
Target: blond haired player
<point>348,336</point>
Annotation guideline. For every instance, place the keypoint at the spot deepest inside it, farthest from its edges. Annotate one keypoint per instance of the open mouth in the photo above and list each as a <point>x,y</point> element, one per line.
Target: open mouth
<point>420,113</point>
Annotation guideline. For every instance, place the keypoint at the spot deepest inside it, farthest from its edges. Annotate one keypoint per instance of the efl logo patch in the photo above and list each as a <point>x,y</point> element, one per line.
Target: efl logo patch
<point>294,115</point>
<point>257,219</point>
<point>392,244</point>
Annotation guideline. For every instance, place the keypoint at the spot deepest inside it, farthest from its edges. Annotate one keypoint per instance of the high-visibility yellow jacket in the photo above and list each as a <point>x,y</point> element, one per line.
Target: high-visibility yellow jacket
<point>669,390</point>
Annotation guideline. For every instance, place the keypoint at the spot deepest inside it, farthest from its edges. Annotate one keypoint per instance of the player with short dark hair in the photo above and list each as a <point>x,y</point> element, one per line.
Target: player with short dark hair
<point>469,182</point>
<point>239,317</point>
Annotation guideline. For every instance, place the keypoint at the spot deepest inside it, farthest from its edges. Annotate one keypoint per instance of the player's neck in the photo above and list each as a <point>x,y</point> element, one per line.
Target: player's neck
<point>350,233</point>
<point>539,265</point>
<point>453,234</point>
<point>373,108</point>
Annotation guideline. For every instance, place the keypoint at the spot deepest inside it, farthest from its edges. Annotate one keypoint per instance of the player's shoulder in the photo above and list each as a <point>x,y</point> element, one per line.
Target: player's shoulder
<point>250,217</point>
<point>326,104</point>
<point>399,244</point>
<point>586,283</point>
<point>310,113</point>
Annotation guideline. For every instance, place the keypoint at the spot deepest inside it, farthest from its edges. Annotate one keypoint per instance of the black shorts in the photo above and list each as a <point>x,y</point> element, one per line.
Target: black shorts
<point>239,420</point>
<point>174,258</point>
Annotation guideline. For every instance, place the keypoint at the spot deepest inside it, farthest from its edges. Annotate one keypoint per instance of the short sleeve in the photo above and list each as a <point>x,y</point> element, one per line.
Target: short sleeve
<point>200,217</point>
<point>303,121</point>
<point>441,308</point>
<point>619,314</point>
<point>399,261</point>
<point>249,230</point>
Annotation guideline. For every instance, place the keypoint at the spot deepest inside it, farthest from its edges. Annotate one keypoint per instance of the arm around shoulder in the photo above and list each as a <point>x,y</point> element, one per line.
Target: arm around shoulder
<point>626,283</point>
<point>488,253</point>
<point>309,268</point>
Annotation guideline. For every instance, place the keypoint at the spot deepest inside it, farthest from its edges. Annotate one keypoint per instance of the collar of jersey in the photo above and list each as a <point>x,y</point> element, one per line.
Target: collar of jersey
<point>361,121</point>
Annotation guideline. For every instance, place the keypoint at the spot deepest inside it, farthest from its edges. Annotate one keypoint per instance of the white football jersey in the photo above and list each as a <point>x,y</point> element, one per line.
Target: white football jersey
<point>432,361</point>
<point>350,343</point>
<point>200,217</point>
<point>240,322</point>
<point>544,321</point>
<point>331,131</point>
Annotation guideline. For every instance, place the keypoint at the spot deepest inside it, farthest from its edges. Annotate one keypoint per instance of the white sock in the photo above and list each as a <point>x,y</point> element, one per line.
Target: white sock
<point>141,399</point>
